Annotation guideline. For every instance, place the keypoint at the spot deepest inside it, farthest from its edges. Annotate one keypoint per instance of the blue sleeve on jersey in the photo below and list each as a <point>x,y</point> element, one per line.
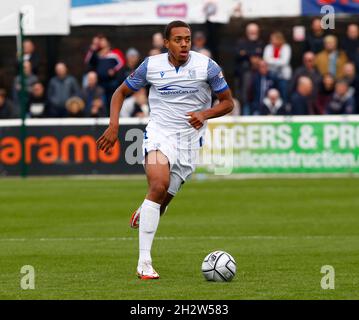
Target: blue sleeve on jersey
<point>137,79</point>
<point>215,77</point>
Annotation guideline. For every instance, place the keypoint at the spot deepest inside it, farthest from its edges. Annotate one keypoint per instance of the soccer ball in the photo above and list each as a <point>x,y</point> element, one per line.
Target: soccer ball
<point>219,266</point>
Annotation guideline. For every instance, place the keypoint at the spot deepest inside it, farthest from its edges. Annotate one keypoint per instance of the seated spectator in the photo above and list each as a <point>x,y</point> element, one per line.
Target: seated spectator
<point>199,41</point>
<point>7,108</point>
<point>30,79</point>
<point>75,107</point>
<point>307,69</point>
<point>61,87</point>
<point>262,82</point>
<point>278,54</point>
<point>314,40</point>
<point>38,105</point>
<point>325,93</point>
<point>30,54</point>
<point>301,102</point>
<point>107,63</point>
<point>351,76</point>
<point>272,104</point>
<point>94,97</point>
<point>343,101</point>
<point>331,59</point>
<point>135,105</point>
<point>158,42</point>
<point>350,43</point>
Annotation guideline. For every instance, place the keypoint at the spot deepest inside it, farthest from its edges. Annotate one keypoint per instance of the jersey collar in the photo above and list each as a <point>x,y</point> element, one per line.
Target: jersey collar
<point>182,65</point>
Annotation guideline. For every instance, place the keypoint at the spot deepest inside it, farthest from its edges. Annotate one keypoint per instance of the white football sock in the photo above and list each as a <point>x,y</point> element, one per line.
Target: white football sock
<point>150,216</point>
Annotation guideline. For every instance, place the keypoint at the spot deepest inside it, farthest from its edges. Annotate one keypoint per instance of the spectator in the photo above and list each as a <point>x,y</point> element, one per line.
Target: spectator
<point>325,93</point>
<point>246,47</point>
<point>94,97</point>
<point>38,105</point>
<point>30,54</point>
<point>272,104</point>
<point>331,60</point>
<point>7,108</point>
<point>206,52</point>
<point>61,87</point>
<point>343,101</point>
<point>75,107</point>
<point>136,105</point>
<point>248,84</point>
<point>263,81</point>
<point>30,79</point>
<point>314,41</point>
<point>158,42</point>
<point>351,76</point>
<point>307,69</point>
<point>301,101</point>
<point>250,45</point>
<point>351,43</point>
<point>132,62</point>
<point>107,62</point>
<point>154,51</point>
<point>278,54</point>
<point>199,41</point>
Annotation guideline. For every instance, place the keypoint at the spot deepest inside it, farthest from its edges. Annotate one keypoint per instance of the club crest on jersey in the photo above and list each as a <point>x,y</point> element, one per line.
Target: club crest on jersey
<point>162,74</point>
<point>192,74</point>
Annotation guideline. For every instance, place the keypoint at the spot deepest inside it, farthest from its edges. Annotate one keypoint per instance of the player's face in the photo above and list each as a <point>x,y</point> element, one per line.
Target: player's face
<point>179,44</point>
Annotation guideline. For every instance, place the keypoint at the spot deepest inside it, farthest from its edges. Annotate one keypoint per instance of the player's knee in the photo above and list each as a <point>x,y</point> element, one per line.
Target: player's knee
<point>159,191</point>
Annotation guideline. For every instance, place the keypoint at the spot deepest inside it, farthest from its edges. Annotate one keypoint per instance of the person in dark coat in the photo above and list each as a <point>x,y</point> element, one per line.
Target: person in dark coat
<point>350,44</point>
<point>262,82</point>
<point>61,87</point>
<point>7,108</point>
<point>272,104</point>
<point>301,101</point>
<point>343,101</point>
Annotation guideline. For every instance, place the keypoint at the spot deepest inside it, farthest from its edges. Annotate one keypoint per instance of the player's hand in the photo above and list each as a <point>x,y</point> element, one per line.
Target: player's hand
<point>108,139</point>
<point>196,119</point>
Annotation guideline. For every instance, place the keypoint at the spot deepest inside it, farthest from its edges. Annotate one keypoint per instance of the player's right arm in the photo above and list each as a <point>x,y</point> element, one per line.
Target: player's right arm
<point>109,137</point>
<point>133,83</point>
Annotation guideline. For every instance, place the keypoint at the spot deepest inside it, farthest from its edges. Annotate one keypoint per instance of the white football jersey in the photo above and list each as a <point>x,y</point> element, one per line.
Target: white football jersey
<point>174,91</point>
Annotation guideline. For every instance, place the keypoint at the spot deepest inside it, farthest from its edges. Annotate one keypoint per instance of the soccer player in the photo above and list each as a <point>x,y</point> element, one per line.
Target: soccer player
<point>180,82</point>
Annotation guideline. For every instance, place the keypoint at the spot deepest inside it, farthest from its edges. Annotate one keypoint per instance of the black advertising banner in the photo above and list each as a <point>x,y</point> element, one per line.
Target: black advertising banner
<point>70,149</point>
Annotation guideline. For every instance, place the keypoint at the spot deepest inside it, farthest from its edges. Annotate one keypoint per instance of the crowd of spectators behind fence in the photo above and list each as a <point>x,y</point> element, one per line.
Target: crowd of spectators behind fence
<point>327,82</point>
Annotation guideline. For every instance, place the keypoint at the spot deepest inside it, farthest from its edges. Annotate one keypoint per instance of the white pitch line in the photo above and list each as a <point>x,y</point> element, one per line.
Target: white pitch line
<point>253,237</point>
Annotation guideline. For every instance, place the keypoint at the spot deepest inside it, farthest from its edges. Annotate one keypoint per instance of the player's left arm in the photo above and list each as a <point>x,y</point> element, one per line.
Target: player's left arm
<point>224,106</point>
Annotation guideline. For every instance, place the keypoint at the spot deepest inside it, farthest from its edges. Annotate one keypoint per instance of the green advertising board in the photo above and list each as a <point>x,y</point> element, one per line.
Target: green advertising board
<point>318,144</point>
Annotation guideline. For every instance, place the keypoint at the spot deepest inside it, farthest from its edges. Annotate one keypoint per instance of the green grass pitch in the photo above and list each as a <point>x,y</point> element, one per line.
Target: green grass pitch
<point>75,233</point>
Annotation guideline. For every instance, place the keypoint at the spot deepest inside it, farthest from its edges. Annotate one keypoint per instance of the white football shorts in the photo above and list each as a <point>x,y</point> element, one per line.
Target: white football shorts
<point>181,150</point>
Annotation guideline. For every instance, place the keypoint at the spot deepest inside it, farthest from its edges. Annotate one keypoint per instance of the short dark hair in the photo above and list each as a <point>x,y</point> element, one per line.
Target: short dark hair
<point>174,24</point>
